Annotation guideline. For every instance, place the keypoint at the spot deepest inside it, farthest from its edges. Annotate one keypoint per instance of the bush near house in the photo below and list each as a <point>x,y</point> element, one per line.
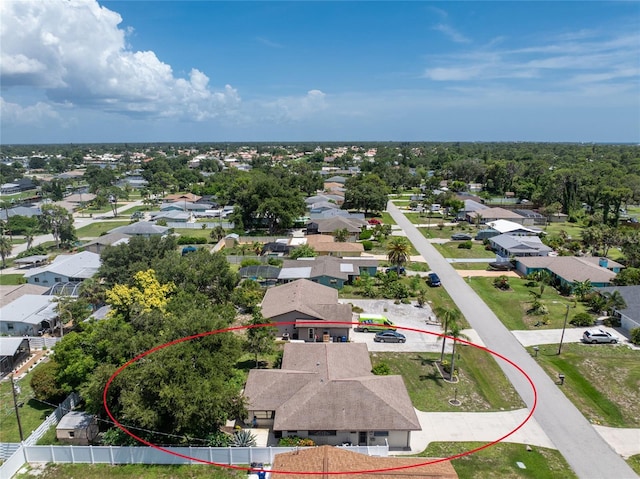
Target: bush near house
<point>635,335</point>
<point>582,319</point>
<point>295,441</point>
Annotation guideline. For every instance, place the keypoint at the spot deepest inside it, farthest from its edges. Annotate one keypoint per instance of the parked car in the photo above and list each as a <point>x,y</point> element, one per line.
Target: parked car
<point>395,269</point>
<point>374,221</point>
<point>389,336</point>
<point>599,336</point>
<point>461,237</point>
<point>433,280</point>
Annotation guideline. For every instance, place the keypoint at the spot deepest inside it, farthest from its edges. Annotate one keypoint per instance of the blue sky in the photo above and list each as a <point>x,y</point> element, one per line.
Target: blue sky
<point>75,71</point>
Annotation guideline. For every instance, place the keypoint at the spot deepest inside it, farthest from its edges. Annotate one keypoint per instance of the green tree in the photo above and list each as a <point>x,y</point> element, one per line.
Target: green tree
<point>260,340</point>
<point>6,246</point>
<point>627,277</point>
<point>398,251</point>
<point>582,288</point>
<point>57,221</point>
<point>455,332</point>
<point>341,235</point>
<point>217,233</point>
<point>303,251</point>
<point>614,301</point>
<point>366,193</point>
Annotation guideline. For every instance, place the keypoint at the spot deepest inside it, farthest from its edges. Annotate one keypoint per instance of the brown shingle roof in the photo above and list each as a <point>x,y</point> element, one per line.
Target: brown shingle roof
<point>334,459</point>
<point>329,386</point>
<point>306,297</point>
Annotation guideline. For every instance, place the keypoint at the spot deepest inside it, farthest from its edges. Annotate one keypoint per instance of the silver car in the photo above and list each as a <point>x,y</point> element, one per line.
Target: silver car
<point>594,336</point>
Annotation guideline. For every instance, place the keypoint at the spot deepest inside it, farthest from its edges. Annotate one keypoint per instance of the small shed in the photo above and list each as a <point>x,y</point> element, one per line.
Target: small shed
<point>78,428</point>
<point>231,240</point>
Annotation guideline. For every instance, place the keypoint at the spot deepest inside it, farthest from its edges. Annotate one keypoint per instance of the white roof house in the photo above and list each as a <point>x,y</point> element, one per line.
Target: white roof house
<point>25,315</point>
<point>511,228</point>
<point>66,268</point>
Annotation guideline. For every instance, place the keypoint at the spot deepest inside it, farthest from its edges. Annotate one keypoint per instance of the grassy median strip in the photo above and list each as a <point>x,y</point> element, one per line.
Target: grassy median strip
<point>501,460</point>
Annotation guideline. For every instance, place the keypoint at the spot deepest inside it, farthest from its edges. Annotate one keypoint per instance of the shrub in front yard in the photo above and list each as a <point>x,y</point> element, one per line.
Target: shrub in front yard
<point>582,319</point>
<point>465,245</point>
<point>502,282</point>
<point>366,234</point>
<point>367,245</point>
<point>295,441</point>
<point>635,335</point>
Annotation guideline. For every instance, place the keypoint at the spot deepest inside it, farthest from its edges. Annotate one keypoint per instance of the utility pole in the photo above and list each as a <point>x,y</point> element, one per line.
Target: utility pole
<point>15,406</point>
<point>564,326</point>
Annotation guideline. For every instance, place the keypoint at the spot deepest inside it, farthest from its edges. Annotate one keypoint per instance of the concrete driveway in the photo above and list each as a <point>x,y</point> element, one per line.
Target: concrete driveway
<point>552,336</point>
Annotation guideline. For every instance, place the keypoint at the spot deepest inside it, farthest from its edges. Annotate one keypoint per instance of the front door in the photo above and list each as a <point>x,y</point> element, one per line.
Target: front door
<point>362,438</point>
<point>312,334</point>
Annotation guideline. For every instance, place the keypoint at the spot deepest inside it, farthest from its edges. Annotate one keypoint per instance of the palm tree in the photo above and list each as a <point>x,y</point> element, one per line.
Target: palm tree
<point>455,331</point>
<point>614,301</point>
<point>450,316</point>
<point>5,249</point>
<point>582,288</point>
<point>217,233</point>
<point>29,235</point>
<point>341,235</point>
<point>398,251</point>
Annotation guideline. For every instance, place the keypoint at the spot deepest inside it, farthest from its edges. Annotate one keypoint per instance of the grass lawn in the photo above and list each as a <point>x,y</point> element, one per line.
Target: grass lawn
<point>32,413</point>
<point>103,209</point>
<point>511,306</point>
<point>451,250</point>
<point>574,230</point>
<point>11,279</point>
<point>96,229</point>
<point>447,231</point>
<point>499,461</point>
<point>634,462</point>
<point>603,381</point>
<point>386,218</point>
<point>194,232</point>
<point>481,387</point>
<point>423,219</point>
<point>133,471</point>
<point>460,265</point>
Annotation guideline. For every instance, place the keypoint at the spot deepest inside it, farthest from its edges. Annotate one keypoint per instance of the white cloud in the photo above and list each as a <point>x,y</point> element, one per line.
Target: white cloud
<point>15,114</point>
<point>452,33</point>
<point>569,60</point>
<point>76,51</point>
<point>290,108</point>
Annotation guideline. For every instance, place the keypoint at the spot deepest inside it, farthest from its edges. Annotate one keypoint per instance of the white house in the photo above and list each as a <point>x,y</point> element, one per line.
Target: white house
<point>27,315</point>
<point>72,268</point>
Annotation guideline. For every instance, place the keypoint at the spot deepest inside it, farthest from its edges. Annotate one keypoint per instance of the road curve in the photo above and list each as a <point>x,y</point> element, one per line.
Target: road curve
<point>585,450</point>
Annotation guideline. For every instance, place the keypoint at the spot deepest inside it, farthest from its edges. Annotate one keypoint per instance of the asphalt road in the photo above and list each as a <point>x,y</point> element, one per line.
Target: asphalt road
<point>584,449</point>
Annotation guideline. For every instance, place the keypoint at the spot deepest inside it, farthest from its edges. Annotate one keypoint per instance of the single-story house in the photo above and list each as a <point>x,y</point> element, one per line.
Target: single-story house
<point>177,216</point>
<point>182,197</point>
<point>538,219</point>
<point>27,211</point>
<point>321,206</point>
<point>99,244</point>
<point>28,315</point>
<point>327,270</point>
<point>567,270</point>
<point>326,245</point>
<point>9,293</point>
<point>492,214</point>
<point>65,268</point>
<point>337,199</point>
<point>329,226</point>
<point>141,228</point>
<point>630,315</point>
<point>506,246</point>
<point>330,459</point>
<point>327,392</point>
<point>13,351</point>
<point>311,308</point>
<point>77,428</point>
<point>512,228</point>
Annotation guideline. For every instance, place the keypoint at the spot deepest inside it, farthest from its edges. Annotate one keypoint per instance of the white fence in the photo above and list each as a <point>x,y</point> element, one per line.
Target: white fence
<point>147,455</point>
<point>37,342</point>
<point>7,449</point>
<point>115,455</point>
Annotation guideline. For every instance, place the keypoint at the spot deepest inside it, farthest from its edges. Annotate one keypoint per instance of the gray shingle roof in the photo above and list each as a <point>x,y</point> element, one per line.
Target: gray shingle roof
<point>571,268</point>
<point>141,228</point>
<point>29,309</point>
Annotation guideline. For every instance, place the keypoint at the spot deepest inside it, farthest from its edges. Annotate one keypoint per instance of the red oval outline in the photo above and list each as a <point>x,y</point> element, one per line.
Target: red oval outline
<point>237,328</point>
